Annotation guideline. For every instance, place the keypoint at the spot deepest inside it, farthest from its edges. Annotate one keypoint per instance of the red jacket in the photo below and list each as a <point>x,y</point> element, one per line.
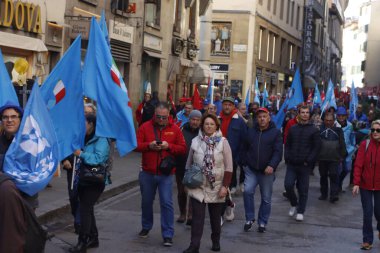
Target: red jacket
<point>171,134</point>
<point>367,166</point>
<point>290,123</point>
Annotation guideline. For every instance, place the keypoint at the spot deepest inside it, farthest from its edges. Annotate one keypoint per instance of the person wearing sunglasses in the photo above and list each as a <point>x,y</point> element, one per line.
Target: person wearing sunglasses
<point>158,140</point>
<point>367,182</point>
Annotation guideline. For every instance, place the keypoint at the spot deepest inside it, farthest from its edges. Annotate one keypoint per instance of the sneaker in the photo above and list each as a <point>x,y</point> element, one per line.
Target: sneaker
<point>229,215</point>
<point>233,190</point>
<point>261,229</point>
<point>366,246</point>
<point>168,242</point>
<point>292,211</point>
<point>241,187</point>
<point>144,233</point>
<point>248,225</point>
<point>299,217</point>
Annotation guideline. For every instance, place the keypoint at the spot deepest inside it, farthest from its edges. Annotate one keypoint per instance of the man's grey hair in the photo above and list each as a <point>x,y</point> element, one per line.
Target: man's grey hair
<point>91,105</point>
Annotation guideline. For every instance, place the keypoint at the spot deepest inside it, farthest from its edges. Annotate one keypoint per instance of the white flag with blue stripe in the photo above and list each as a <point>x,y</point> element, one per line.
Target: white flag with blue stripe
<point>32,157</point>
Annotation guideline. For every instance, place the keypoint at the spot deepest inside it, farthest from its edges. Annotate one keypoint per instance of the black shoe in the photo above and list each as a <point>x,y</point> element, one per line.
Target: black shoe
<point>215,246</point>
<point>81,246</point>
<point>334,199</point>
<point>322,197</point>
<point>144,233</point>
<point>261,229</point>
<point>93,242</point>
<point>188,222</point>
<point>248,225</point>
<point>190,249</point>
<point>168,242</point>
<point>285,195</point>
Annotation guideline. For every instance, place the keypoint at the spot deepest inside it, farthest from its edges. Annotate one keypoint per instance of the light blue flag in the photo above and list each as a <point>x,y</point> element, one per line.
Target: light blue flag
<point>257,92</point>
<point>33,156</point>
<point>63,95</point>
<point>330,100</point>
<point>293,98</point>
<point>317,96</point>
<point>103,27</point>
<point>209,95</point>
<point>102,82</point>
<point>248,97</point>
<point>265,98</point>
<point>7,89</point>
<point>353,100</point>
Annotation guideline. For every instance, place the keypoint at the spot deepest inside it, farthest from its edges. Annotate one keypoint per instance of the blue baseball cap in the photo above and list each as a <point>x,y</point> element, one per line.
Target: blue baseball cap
<point>11,105</point>
<point>341,111</point>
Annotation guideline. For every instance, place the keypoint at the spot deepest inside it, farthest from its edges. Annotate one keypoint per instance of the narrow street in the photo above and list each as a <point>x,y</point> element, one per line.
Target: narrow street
<point>327,227</point>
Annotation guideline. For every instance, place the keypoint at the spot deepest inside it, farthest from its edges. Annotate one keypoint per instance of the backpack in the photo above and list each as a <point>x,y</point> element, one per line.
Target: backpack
<point>36,236</point>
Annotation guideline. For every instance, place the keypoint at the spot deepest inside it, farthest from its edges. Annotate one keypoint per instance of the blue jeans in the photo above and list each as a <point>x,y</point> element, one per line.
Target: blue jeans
<point>265,182</point>
<point>297,176</point>
<point>148,186</point>
<point>371,204</point>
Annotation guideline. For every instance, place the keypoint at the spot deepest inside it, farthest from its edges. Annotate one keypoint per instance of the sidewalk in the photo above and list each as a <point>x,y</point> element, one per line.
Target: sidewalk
<point>54,201</point>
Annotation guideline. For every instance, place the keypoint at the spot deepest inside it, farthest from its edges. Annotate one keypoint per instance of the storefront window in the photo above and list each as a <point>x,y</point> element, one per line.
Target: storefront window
<point>221,39</point>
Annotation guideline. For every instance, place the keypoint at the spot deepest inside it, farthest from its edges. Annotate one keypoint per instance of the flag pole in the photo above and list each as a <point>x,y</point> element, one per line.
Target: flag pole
<point>73,176</point>
<point>212,88</point>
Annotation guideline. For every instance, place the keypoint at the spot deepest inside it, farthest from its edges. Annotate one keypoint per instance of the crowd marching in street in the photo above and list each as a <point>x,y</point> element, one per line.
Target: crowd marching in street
<point>213,151</point>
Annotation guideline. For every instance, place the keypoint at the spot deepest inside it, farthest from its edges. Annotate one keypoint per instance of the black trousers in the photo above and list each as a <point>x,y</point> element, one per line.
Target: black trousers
<point>73,197</point>
<point>329,170</point>
<point>182,195</point>
<point>88,195</point>
<point>199,212</point>
<point>234,180</point>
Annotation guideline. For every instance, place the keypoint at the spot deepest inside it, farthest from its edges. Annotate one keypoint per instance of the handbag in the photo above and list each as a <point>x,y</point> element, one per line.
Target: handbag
<point>193,177</point>
<point>92,174</point>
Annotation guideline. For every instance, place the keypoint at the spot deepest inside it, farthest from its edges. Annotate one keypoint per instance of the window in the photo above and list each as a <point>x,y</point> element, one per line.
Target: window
<point>92,2</point>
<point>365,46</point>
<point>260,41</point>
<point>152,12</point>
<point>273,49</point>
<point>290,55</point>
<point>269,4</point>
<point>221,38</point>
<point>274,7</point>
<point>288,12</point>
<point>366,28</point>
<point>292,17</point>
<point>268,46</point>
<point>192,20</point>
<point>178,16</point>
<point>120,5</point>
<point>282,9</point>
<point>298,16</point>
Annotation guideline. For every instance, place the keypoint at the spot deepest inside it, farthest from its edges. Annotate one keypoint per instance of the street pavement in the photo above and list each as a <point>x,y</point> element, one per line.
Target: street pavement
<point>327,227</point>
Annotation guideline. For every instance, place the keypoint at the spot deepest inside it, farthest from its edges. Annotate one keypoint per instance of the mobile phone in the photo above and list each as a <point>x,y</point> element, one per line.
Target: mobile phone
<point>158,142</point>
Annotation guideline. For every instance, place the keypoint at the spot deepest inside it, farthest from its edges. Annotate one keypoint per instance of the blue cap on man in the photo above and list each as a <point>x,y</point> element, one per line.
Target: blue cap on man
<point>341,111</point>
<point>11,105</point>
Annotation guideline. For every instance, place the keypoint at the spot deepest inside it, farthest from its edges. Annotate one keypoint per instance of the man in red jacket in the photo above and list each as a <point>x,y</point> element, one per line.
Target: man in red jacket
<point>158,139</point>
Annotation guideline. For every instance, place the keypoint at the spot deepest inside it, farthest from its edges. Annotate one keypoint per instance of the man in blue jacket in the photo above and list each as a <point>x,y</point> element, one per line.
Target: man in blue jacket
<point>263,154</point>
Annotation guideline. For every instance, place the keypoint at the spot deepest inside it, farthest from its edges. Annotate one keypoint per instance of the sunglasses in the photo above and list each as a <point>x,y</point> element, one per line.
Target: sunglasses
<point>377,130</point>
<point>161,117</point>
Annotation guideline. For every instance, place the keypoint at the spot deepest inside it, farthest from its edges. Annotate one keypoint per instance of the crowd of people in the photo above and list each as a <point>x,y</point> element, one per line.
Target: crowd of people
<point>237,149</point>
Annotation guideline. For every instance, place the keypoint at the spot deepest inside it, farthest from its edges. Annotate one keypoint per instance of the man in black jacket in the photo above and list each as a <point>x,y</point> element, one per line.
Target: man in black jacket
<point>190,130</point>
<point>301,152</point>
<point>333,151</point>
<point>263,154</point>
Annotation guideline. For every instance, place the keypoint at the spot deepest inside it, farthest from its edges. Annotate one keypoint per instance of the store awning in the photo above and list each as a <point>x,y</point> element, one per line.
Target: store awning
<point>153,54</point>
<point>201,73</point>
<point>22,42</point>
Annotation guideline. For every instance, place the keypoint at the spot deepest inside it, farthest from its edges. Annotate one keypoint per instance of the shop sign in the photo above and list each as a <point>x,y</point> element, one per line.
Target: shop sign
<point>79,27</point>
<point>121,32</point>
<point>239,48</point>
<point>308,33</point>
<point>20,16</point>
<point>152,42</point>
<point>219,67</point>
<point>281,76</point>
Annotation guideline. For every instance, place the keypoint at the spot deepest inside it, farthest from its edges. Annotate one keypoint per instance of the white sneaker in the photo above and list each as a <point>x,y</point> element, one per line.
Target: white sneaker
<point>241,187</point>
<point>292,211</point>
<point>229,215</point>
<point>221,221</point>
<point>299,217</point>
<point>233,190</point>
